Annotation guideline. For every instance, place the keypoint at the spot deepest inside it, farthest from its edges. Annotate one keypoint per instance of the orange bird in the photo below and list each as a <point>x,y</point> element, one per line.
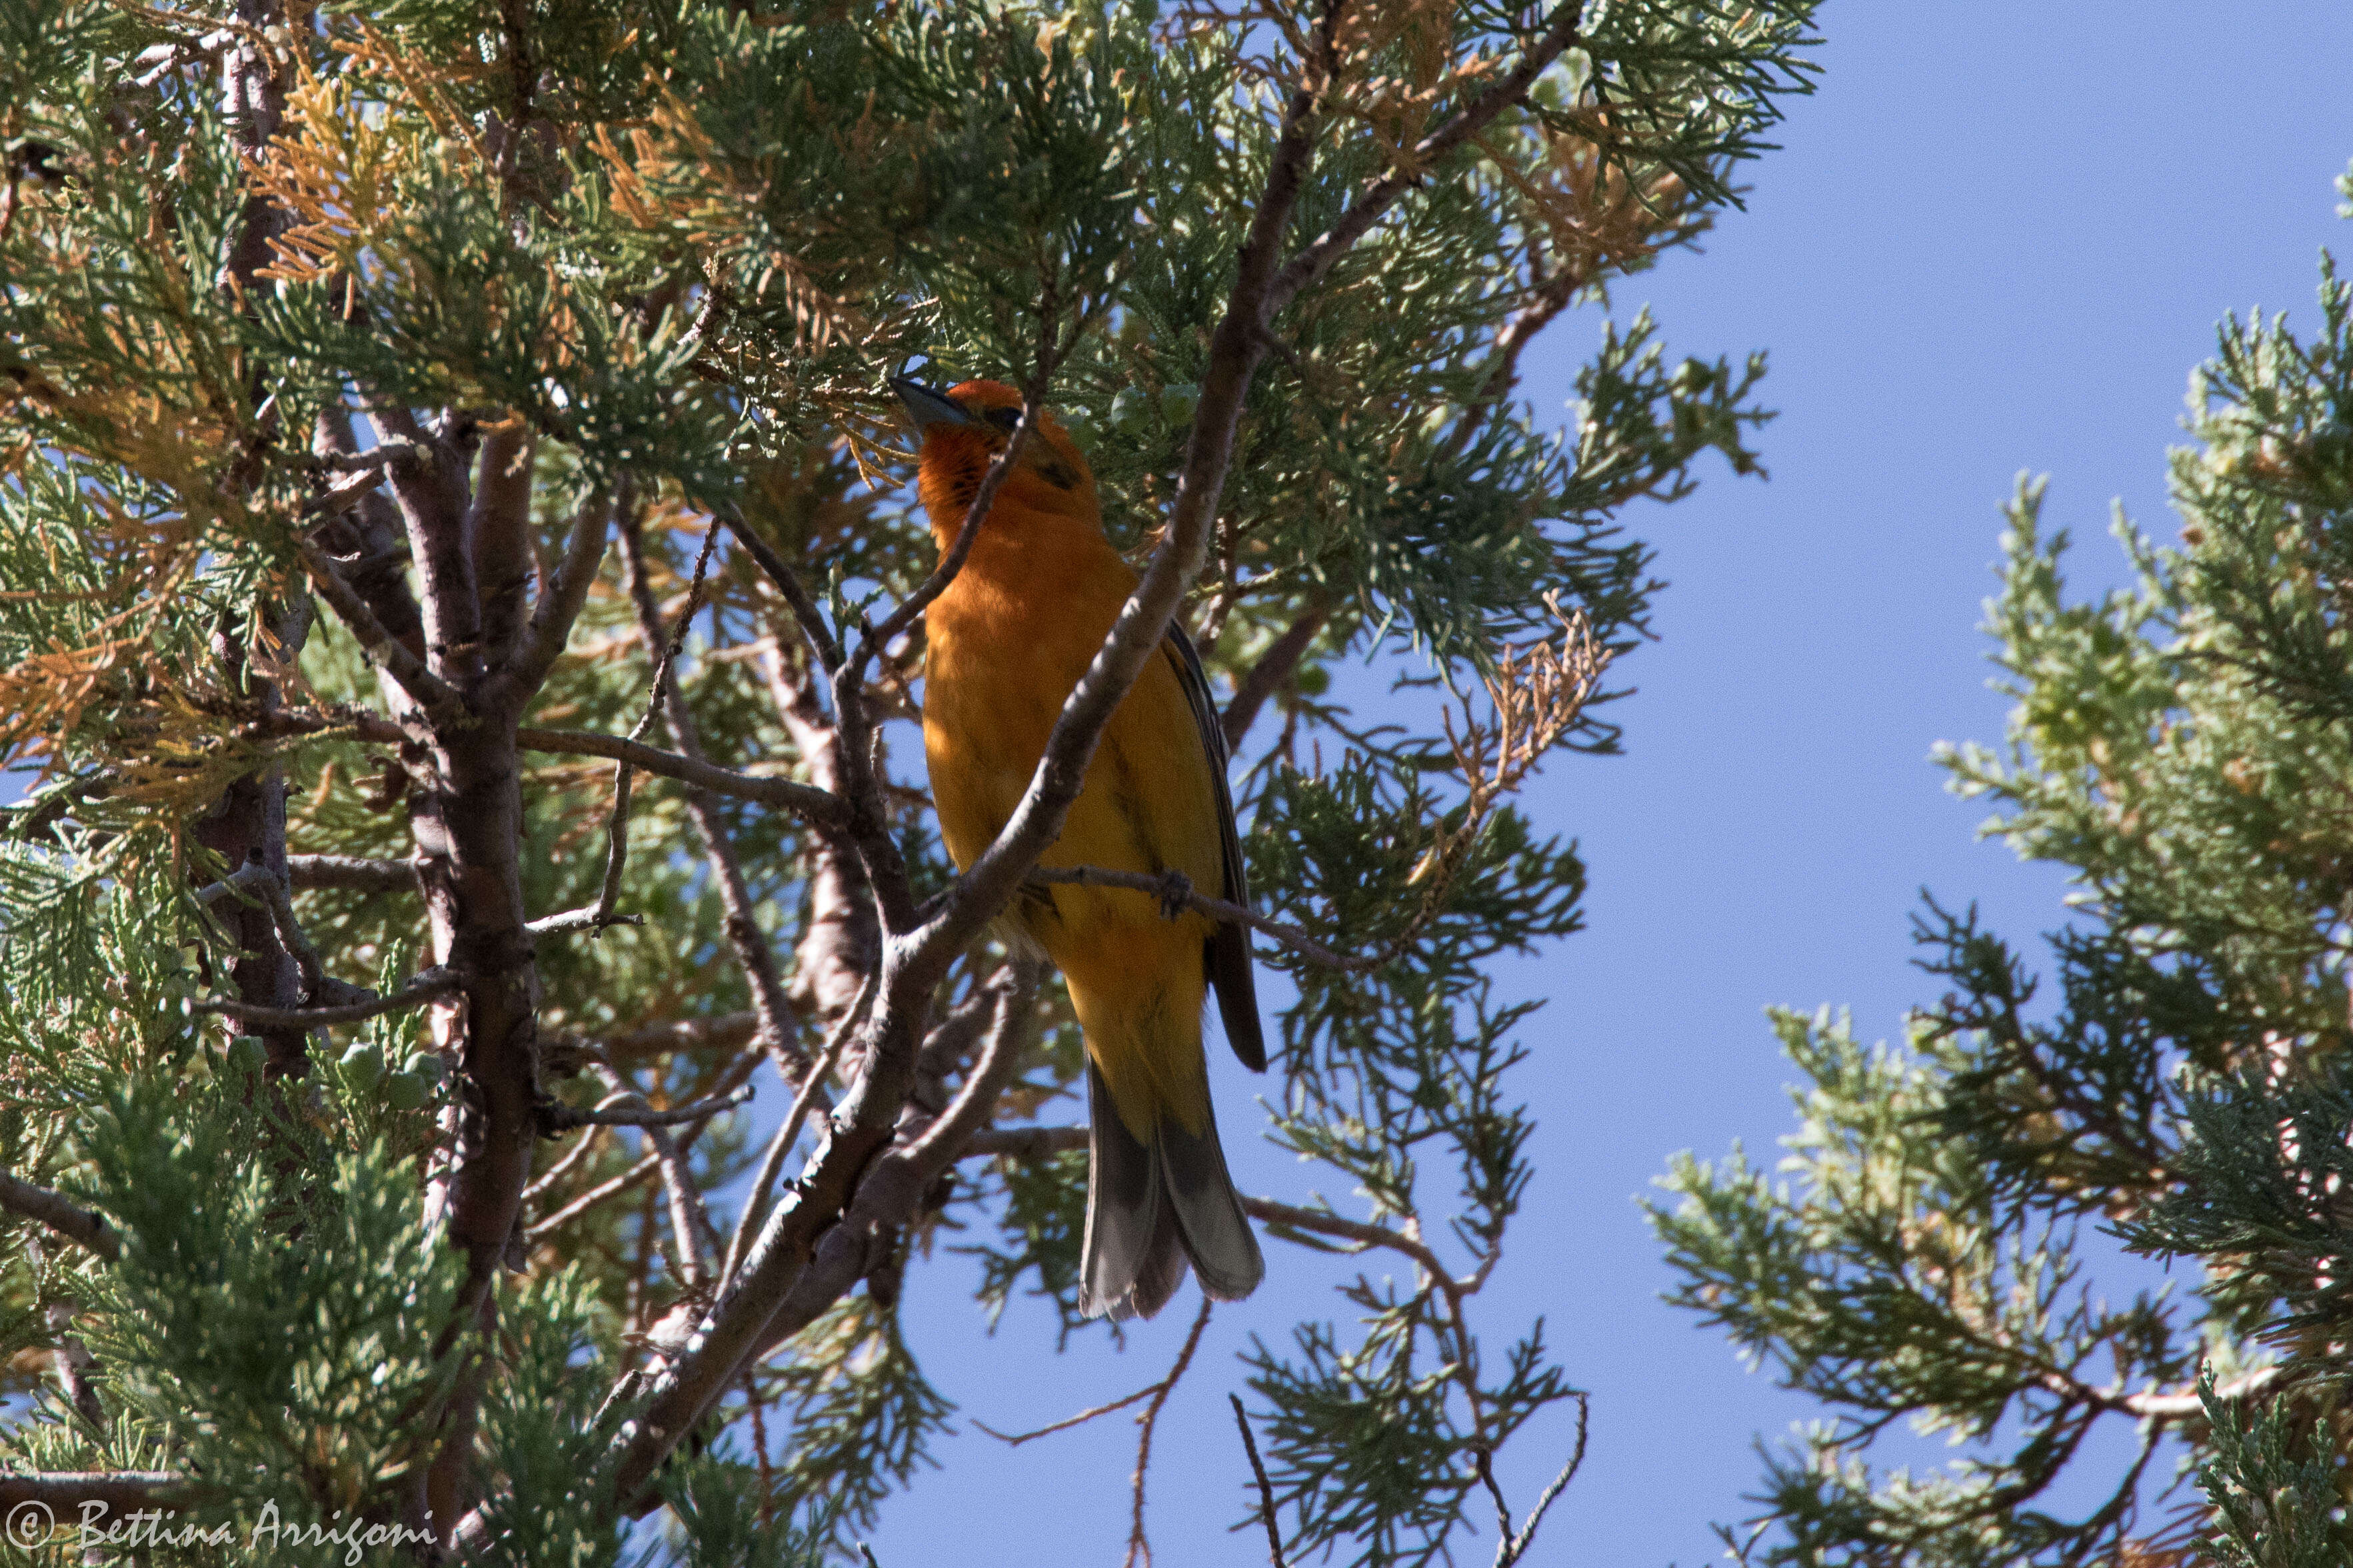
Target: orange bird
<point>1007,643</point>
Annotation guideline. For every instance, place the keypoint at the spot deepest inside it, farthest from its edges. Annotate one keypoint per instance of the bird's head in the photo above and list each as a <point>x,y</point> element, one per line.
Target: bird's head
<point>962,431</point>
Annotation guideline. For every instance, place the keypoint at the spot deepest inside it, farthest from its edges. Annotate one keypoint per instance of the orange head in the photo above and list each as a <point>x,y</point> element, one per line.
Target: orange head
<point>964,428</point>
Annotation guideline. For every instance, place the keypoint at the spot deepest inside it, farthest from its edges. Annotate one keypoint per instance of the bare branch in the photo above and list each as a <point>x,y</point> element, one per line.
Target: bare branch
<point>438,699</point>
<point>772,1164</point>
<point>1176,891</point>
<point>1287,1216</point>
<point>593,1197</point>
<point>1265,1486</point>
<point>1274,668</point>
<point>562,595</point>
<point>596,917</point>
<point>1149,1423</point>
<point>750,944</point>
<point>1025,1142</point>
<point>1509,1550</point>
<point>690,1223</point>
<point>723,1032</point>
<point>564,1118</point>
<point>350,873</point>
<point>1367,209</point>
<point>789,583</point>
<point>61,1215</point>
<point>782,794</point>
<point>427,985</point>
<point>847,1193</point>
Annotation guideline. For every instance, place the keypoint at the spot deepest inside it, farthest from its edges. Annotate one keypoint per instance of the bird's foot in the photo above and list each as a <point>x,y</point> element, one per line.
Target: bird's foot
<point>1176,894</point>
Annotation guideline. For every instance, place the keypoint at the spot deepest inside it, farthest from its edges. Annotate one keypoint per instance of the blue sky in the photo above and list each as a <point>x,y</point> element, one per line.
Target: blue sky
<point>1997,240</point>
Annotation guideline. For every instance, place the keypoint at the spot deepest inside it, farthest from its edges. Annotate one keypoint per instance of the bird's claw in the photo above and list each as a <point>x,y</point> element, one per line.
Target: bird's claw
<point>1176,894</point>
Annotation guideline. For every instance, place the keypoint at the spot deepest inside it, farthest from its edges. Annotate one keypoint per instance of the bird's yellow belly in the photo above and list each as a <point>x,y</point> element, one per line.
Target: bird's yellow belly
<point>1146,805</point>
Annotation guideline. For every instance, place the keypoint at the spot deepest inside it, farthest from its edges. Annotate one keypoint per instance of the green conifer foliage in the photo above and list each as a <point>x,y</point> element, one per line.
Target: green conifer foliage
<point>458,635</point>
<point>2180,1084</point>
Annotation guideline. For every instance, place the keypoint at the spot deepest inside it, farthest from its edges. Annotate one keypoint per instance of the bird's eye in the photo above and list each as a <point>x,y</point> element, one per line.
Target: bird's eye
<point>1005,419</point>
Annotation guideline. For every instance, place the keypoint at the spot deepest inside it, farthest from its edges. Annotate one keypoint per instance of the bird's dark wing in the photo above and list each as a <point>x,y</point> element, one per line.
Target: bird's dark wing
<point>1227,954</point>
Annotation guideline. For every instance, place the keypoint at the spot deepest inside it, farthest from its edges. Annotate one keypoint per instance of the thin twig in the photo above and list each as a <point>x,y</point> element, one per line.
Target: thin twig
<point>593,1197</point>
<point>560,1169</point>
<point>564,1118</point>
<point>1026,1143</point>
<point>595,918</point>
<point>783,795</point>
<point>1150,1421</point>
<point>1274,668</point>
<point>1171,892</point>
<point>779,1147</point>
<point>350,873</point>
<point>60,1214</point>
<point>428,983</point>
<point>787,583</point>
<point>1265,1486</point>
<point>1014,1440</point>
<point>744,936</point>
<point>1509,1551</point>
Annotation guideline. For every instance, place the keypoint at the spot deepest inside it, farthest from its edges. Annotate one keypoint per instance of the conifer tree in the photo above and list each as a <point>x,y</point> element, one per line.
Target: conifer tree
<point>2181,1086</point>
<point>462,616</point>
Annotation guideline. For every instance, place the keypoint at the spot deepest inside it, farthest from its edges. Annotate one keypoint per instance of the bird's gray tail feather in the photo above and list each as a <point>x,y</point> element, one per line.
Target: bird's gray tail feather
<point>1150,1207</point>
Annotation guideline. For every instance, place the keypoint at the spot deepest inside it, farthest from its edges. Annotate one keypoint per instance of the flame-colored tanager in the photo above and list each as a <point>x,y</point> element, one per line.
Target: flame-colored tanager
<point>1007,642</point>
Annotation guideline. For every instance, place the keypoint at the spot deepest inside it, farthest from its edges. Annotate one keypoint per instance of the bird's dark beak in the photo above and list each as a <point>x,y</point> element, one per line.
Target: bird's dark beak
<point>927,406</point>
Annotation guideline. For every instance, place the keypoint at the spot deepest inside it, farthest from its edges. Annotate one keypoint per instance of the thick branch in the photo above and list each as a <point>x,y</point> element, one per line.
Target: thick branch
<point>381,648</point>
<point>61,1215</point>
<point>498,522</point>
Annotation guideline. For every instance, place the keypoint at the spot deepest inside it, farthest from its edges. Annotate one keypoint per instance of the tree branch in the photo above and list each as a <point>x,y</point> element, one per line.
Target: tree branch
<point>425,987</point>
<point>61,1215</point>
<point>1149,1423</point>
<point>1265,1486</point>
<point>120,1492</point>
<point>350,873</point>
<point>790,1275</point>
<point>435,696</point>
<point>744,937</point>
<point>1026,1143</point>
<point>565,1118</point>
<point>780,794</point>
<point>562,595</point>
<point>1311,264</point>
<point>1176,892</point>
<point>1274,668</point>
<point>1510,1549</point>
